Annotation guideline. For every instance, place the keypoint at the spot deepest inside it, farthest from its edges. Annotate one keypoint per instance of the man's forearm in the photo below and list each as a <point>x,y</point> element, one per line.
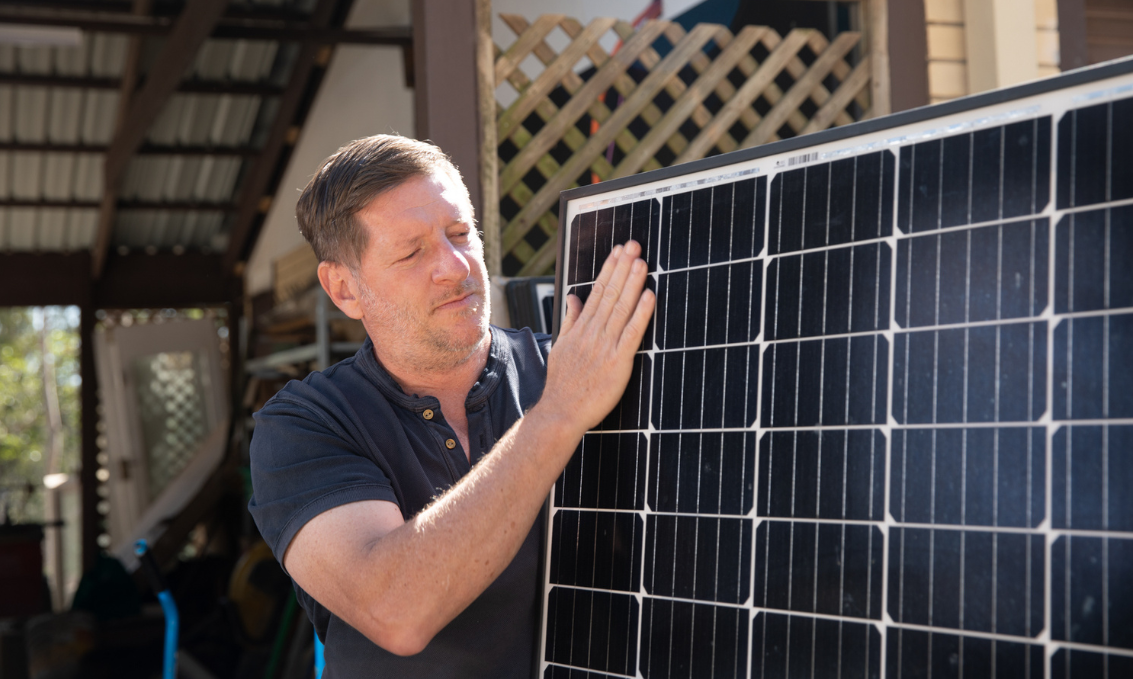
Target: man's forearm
<point>475,529</point>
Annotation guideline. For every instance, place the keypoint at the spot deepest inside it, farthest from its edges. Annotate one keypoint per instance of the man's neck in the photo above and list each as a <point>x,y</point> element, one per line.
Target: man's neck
<point>442,382</point>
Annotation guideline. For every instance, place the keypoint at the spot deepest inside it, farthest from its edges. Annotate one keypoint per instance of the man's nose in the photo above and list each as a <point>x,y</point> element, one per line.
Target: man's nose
<point>452,265</point>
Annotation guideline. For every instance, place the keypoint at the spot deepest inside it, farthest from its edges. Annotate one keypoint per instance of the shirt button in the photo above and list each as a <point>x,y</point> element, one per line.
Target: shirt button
<point>428,414</point>
<point>450,444</point>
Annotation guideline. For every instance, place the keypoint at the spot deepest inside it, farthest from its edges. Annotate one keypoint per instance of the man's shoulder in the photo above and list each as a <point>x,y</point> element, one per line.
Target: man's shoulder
<point>323,391</point>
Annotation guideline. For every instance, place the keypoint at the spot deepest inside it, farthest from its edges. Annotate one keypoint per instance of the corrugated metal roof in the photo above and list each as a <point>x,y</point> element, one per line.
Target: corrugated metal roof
<point>74,115</point>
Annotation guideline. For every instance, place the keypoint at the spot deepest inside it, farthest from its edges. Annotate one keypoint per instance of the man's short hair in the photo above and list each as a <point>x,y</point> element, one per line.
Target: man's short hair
<point>349,180</point>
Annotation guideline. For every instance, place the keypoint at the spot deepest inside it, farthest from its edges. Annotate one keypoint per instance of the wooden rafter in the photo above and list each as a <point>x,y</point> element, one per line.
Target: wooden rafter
<point>179,205</point>
<point>233,28</point>
<point>144,149</point>
<point>236,87</point>
<point>161,8</point>
<point>256,193</point>
<point>134,280</point>
<point>189,32</point>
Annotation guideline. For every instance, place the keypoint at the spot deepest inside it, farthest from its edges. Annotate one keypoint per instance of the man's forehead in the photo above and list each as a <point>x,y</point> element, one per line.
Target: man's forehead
<point>419,203</point>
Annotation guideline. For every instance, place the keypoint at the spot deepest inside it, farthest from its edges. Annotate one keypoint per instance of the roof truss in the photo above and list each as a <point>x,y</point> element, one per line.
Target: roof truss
<point>242,26</point>
<point>189,32</point>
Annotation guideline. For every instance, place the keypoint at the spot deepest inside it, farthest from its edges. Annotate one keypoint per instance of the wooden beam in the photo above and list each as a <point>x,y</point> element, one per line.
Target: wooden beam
<point>875,20</point>
<point>489,155</point>
<point>1072,47</point>
<point>255,89</point>
<point>146,149</point>
<point>257,192</point>
<point>176,205</point>
<point>182,206</point>
<point>135,280</point>
<point>28,279</point>
<point>139,281</point>
<point>230,28</point>
<point>88,429</point>
<point>160,8</point>
<point>180,49</point>
<point>446,93</point>
<point>43,80</point>
<point>907,53</point>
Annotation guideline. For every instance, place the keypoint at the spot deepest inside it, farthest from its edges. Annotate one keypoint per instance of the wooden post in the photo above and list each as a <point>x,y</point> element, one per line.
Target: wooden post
<point>446,92</point>
<point>88,399</point>
<point>904,37</point>
<point>876,25</point>
<point>489,171</point>
<point>1073,52</point>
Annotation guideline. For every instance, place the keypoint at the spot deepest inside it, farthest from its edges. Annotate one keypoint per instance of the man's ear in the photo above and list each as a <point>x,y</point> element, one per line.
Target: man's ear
<point>341,287</point>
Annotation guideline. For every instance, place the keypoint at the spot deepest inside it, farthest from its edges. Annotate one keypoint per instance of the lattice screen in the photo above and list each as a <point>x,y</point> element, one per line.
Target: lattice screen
<point>664,96</point>
<point>170,401</point>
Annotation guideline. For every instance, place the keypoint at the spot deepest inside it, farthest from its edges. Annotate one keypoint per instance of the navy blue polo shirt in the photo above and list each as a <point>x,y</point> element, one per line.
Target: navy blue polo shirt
<point>348,434</point>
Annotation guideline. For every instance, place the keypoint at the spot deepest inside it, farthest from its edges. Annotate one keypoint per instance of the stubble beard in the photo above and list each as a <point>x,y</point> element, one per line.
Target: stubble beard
<point>413,341</point>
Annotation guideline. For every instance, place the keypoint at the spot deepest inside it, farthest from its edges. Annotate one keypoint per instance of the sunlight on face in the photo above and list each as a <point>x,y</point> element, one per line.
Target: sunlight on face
<point>423,284</point>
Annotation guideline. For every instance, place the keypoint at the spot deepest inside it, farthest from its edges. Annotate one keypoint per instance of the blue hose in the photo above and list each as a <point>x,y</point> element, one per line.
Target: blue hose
<point>168,608</point>
<point>320,657</point>
<point>172,629</point>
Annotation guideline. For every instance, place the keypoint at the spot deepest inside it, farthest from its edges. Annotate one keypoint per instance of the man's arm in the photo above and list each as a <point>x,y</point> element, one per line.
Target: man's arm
<point>400,582</point>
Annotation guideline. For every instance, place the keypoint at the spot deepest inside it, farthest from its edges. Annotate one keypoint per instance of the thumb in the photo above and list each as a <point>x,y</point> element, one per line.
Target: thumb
<point>574,309</point>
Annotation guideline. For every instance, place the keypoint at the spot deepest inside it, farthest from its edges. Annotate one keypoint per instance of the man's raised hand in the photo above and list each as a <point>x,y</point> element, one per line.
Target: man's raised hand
<point>590,364</point>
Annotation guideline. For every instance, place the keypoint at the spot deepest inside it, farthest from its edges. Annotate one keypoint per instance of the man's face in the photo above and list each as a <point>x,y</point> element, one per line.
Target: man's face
<point>423,284</point>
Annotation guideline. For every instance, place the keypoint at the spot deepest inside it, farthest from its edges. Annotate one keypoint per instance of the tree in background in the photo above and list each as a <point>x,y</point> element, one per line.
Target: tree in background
<point>39,404</point>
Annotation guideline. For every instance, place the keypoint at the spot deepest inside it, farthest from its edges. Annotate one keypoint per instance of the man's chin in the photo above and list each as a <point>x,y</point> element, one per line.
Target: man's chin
<point>468,334</point>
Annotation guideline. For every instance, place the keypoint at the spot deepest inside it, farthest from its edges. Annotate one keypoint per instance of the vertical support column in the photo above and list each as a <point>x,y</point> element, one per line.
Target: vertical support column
<point>489,171</point>
<point>1072,49</point>
<point>446,92</point>
<point>1000,41</point>
<point>906,38</point>
<point>876,26</point>
<point>88,399</point>
<point>236,348</point>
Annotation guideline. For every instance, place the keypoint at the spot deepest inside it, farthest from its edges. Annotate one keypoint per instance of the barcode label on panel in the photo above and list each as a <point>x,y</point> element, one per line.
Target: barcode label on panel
<point>798,160</point>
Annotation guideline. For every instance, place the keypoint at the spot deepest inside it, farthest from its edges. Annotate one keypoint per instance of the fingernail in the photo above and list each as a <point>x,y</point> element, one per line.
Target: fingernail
<point>638,266</point>
<point>617,251</point>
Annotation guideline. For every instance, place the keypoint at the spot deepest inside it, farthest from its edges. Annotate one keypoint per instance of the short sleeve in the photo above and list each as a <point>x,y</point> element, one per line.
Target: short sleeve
<point>302,466</point>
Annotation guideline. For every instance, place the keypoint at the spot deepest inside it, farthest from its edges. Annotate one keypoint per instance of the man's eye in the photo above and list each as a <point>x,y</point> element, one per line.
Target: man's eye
<point>410,256</point>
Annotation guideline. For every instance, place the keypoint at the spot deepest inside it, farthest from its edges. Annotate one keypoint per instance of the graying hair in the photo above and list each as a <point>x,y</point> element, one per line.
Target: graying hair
<point>350,180</point>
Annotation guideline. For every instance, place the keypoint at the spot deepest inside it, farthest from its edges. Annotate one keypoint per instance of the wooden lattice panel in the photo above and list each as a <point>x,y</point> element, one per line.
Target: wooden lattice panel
<point>664,96</point>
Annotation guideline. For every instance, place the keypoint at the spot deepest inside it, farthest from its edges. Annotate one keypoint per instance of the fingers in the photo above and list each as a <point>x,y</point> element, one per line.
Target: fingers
<point>621,287</point>
<point>635,328</point>
<point>600,283</point>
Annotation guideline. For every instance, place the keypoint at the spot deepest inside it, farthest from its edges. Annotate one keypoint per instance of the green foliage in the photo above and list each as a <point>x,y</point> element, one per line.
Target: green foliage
<point>23,415</point>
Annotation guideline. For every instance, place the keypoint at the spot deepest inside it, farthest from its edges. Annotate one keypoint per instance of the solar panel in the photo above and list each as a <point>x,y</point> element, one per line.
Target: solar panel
<point>881,424</point>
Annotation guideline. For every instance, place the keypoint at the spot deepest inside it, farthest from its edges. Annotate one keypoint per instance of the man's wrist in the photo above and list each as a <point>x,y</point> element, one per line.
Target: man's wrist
<point>552,420</point>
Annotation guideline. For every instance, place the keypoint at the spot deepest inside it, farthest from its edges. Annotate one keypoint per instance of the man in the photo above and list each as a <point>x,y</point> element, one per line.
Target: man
<point>400,488</point>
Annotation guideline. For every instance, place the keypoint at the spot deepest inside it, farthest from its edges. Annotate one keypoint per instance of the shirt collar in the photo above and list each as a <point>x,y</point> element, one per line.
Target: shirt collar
<point>490,377</point>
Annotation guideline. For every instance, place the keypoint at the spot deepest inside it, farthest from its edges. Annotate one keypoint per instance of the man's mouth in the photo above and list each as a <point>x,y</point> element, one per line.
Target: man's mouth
<point>460,301</point>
